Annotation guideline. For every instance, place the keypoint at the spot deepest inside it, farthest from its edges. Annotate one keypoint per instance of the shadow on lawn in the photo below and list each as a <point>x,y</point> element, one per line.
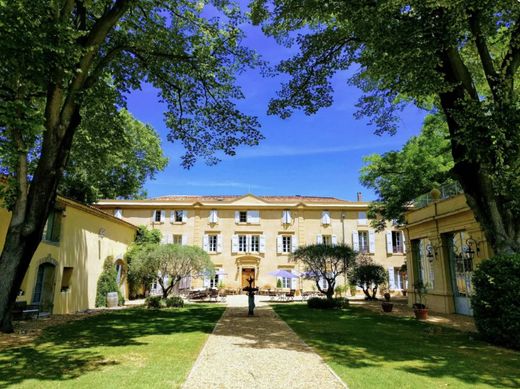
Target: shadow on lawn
<point>357,338</point>
<point>67,351</point>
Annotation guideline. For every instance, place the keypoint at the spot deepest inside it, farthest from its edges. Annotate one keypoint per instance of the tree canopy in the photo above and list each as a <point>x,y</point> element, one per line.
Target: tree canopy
<point>398,177</point>
<point>368,275</point>
<point>111,160</point>
<point>325,262</point>
<point>457,57</point>
<point>64,61</point>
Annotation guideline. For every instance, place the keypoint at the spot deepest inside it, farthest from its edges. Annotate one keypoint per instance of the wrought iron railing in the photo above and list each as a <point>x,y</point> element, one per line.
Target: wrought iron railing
<point>447,190</point>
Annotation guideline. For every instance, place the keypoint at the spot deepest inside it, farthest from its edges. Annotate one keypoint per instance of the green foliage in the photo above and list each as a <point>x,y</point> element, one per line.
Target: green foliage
<point>146,236</point>
<point>107,282</point>
<point>321,303</point>
<point>322,261</point>
<point>278,283</point>
<point>368,275</point>
<point>111,159</point>
<point>496,302</point>
<point>141,271</point>
<point>174,302</point>
<point>398,177</point>
<point>459,58</point>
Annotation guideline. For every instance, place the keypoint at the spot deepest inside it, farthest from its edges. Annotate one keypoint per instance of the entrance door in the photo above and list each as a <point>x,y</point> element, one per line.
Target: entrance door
<point>44,288</point>
<point>461,266</point>
<point>246,274</point>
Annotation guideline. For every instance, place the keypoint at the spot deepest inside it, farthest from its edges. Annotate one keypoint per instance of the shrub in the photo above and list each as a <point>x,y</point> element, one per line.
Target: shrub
<point>174,302</point>
<point>321,303</point>
<point>496,302</point>
<point>107,282</point>
<point>154,302</point>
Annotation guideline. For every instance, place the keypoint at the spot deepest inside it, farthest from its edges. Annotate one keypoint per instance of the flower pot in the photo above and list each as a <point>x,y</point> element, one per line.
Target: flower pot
<point>387,307</point>
<point>421,313</point>
<point>404,292</point>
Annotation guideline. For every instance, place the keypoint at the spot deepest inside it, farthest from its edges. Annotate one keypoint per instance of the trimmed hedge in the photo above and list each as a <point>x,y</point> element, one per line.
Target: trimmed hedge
<point>496,302</point>
<point>321,303</point>
<point>158,302</point>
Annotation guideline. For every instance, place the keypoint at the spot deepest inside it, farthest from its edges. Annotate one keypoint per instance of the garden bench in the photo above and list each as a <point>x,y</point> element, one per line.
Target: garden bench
<point>24,311</point>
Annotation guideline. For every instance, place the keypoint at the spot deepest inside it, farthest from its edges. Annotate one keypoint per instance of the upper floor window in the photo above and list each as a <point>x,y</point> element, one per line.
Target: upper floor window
<point>242,243</point>
<point>327,239</point>
<point>158,216</point>
<point>250,217</point>
<point>213,216</point>
<point>212,243</point>
<point>363,241</point>
<point>52,229</point>
<point>255,243</point>
<point>325,218</point>
<point>362,218</point>
<point>179,216</point>
<point>286,217</point>
<point>118,212</point>
<point>286,244</point>
<point>248,244</point>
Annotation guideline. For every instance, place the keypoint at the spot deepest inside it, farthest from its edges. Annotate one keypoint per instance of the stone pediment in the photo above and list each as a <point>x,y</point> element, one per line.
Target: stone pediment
<point>248,200</point>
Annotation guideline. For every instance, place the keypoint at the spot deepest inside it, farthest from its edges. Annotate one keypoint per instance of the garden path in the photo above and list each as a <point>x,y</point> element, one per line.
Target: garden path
<point>257,352</point>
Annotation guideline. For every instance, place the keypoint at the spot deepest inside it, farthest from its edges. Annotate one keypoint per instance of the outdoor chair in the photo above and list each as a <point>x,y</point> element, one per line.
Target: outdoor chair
<point>24,311</point>
<point>289,296</point>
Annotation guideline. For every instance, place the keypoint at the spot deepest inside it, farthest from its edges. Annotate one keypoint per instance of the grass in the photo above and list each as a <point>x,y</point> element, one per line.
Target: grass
<point>136,348</point>
<point>368,350</point>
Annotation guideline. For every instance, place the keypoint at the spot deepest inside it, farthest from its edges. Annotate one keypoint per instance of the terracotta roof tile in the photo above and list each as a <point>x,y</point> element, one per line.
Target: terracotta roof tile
<point>274,199</point>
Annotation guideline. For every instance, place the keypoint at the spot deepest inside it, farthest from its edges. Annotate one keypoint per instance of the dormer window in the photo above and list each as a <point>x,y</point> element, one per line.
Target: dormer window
<point>213,216</point>
<point>286,217</point>
<point>325,218</point>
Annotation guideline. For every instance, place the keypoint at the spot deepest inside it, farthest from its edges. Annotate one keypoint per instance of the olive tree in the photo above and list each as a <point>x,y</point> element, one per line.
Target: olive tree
<point>368,275</point>
<point>325,262</point>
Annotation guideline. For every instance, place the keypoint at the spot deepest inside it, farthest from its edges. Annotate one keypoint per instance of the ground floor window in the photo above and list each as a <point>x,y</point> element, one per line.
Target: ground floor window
<point>424,255</point>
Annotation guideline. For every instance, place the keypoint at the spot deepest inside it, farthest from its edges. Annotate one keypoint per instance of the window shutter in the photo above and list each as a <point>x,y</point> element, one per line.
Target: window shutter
<point>153,215</point>
<point>355,240</point>
<point>389,245</point>
<point>371,241</point>
<point>172,216</point>
<point>279,246</point>
<point>253,217</point>
<point>293,283</point>
<point>391,278</point>
<point>163,215</point>
<point>404,243</point>
<point>184,239</point>
<point>237,216</point>
<point>262,244</point>
<point>184,216</point>
<point>205,242</point>
<point>206,282</point>
<point>286,217</point>
<point>219,243</point>
<point>319,239</point>
<point>118,212</point>
<point>325,218</point>
<point>248,243</point>
<point>294,243</point>
<point>169,238</point>
<point>213,217</point>
<point>334,239</point>
<point>234,244</point>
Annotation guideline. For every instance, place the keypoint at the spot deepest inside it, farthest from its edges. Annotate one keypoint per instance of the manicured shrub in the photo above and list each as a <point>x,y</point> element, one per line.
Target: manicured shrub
<point>496,302</point>
<point>154,302</point>
<point>107,282</point>
<point>174,302</point>
<point>321,303</point>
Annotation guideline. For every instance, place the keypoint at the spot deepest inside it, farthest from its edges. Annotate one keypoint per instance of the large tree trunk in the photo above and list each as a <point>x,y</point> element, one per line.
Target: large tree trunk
<point>29,217</point>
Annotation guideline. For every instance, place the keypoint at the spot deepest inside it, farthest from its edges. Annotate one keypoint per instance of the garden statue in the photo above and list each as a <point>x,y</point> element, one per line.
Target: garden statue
<point>251,296</point>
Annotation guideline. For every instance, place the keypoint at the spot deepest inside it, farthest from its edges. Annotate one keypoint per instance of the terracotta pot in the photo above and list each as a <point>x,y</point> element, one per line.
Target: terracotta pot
<point>387,307</point>
<point>404,292</point>
<point>421,314</point>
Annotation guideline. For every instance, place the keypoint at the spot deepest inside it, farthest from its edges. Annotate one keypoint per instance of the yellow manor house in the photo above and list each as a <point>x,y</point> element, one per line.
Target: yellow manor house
<point>253,236</point>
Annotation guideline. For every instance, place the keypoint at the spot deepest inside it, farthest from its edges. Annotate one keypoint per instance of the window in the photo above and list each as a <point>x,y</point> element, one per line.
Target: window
<point>286,244</point>
<point>178,216</point>
<point>327,239</point>
<point>286,217</point>
<point>243,217</point>
<point>212,241</point>
<point>255,243</point>
<point>242,243</point>
<point>250,217</point>
<point>423,263</point>
<point>177,239</point>
<point>286,282</point>
<point>363,241</point>
<point>325,218</point>
<point>362,218</point>
<point>213,282</point>
<point>65,279</point>
<point>157,216</point>
<point>397,241</point>
<point>213,216</point>
<point>52,229</point>
<point>118,212</point>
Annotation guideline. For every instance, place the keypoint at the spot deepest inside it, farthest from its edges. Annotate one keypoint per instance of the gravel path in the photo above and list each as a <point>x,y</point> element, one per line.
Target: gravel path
<point>257,352</point>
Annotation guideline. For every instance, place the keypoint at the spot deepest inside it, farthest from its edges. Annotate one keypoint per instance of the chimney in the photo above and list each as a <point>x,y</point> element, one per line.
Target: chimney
<point>359,196</point>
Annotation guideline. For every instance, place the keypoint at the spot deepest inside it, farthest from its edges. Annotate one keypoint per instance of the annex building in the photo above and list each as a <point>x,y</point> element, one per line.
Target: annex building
<point>253,236</point>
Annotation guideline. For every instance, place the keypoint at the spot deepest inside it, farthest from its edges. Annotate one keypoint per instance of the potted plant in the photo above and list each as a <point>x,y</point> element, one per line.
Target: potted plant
<point>387,305</point>
<point>404,273</point>
<point>419,307</point>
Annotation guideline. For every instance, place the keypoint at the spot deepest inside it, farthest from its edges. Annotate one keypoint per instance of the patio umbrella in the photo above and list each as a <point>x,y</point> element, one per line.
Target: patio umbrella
<point>283,274</point>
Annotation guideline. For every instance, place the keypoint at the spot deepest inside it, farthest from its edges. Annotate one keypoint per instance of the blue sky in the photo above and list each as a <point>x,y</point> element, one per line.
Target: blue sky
<point>304,155</point>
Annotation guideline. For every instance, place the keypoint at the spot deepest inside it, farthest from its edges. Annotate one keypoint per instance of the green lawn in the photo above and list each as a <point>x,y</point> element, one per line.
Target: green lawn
<point>136,348</point>
<point>368,350</point>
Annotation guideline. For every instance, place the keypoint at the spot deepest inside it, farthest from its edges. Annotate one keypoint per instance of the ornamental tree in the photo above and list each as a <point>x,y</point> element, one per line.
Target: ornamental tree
<point>64,59</point>
<point>325,262</point>
<point>458,58</point>
<point>368,275</point>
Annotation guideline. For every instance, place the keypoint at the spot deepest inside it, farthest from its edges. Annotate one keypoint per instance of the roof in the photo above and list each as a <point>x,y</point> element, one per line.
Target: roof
<point>272,199</point>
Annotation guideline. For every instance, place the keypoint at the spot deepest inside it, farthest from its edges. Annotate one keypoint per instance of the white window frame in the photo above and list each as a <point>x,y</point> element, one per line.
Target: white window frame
<point>363,242</point>
<point>242,243</point>
<point>286,244</point>
<point>254,246</point>
<point>212,243</point>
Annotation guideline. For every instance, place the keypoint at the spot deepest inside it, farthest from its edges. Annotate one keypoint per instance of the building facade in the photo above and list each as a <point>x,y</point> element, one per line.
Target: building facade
<point>446,245</point>
<point>253,236</point>
<point>62,277</point>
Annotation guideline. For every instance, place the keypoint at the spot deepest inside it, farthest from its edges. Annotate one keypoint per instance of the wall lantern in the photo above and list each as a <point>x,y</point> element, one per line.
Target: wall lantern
<point>471,248</point>
<point>430,252</point>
